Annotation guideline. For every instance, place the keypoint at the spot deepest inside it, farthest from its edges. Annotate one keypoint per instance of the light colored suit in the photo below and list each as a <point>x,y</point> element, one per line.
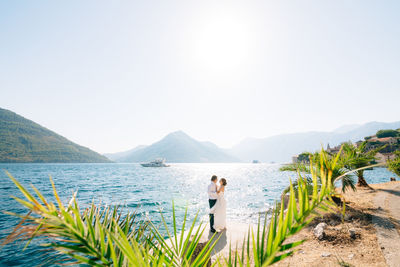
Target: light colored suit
<point>212,191</point>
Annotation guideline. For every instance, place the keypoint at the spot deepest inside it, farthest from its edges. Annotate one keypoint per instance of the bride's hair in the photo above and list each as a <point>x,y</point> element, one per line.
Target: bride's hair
<point>223,180</point>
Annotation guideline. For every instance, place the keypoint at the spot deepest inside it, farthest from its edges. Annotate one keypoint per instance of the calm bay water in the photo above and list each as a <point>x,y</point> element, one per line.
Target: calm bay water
<point>251,189</point>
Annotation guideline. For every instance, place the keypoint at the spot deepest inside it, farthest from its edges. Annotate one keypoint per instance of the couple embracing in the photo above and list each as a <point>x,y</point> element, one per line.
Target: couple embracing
<point>217,204</point>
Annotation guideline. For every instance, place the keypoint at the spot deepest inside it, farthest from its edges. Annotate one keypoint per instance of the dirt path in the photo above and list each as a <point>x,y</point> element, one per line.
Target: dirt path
<point>387,219</point>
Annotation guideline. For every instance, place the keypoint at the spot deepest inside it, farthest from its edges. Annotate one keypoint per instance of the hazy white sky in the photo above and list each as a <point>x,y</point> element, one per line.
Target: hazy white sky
<point>111,75</point>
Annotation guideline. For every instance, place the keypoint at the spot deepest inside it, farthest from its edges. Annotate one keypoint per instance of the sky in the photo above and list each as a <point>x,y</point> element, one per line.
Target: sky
<point>111,75</point>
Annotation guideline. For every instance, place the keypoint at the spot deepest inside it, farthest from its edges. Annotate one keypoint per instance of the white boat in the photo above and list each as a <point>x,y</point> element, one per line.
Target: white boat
<point>155,163</point>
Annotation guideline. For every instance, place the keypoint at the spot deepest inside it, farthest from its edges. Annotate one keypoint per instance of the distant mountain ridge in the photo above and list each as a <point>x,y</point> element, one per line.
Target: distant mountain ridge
<point>22,140</point>
<point>119,156</point>
<point>178,147</point>
<point>346,128</point>
<point>281,148</point>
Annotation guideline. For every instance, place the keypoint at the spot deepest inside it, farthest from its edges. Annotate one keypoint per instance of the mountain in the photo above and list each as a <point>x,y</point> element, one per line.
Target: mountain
<point>179,147</point>
<point>22,140</point>
<point>281,148</point>
<point>346,128</point>
<point>121,155</point>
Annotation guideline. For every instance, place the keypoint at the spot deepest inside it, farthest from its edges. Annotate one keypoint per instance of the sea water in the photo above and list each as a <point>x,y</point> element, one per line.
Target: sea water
<point>251,190</point>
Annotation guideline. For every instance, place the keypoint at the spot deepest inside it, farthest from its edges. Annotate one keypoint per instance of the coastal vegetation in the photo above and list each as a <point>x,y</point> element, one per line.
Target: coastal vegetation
<point>382,148</point>
<point>388,133</point>
<point>334,162</point>
<point>101,236</point>
<point>394,165</point>
<point>357,157</point>
<point>387,141</point>
<point>22,140</point>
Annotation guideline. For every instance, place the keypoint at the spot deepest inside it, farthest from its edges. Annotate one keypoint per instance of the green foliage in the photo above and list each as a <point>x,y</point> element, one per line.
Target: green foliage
<point>179,249</point>
<point>304,157</point>
<point>394,165</point>
<point>350,159</point>
<point>87,237</point>
<point>106,237</point>
<point>382,146</point>
<point>357,158</point>
<point>387,133</point>
<point>335,163</point>
<point>294,167</point>
<point>22,140</point>
<point>288,167</point>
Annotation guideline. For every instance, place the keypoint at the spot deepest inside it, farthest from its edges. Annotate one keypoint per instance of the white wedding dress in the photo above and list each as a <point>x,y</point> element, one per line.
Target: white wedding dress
<point>219,211</point>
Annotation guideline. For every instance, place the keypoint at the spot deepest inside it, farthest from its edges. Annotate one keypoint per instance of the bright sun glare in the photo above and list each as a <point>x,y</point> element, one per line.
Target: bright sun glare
<point>221,44</point>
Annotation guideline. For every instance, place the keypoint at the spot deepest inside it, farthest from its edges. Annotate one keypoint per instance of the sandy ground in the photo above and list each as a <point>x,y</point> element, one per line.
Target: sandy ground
<point>232,237</point>
<point>338,248</point>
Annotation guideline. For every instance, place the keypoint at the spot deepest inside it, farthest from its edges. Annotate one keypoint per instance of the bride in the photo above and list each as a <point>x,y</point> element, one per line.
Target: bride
<point>219,209</point>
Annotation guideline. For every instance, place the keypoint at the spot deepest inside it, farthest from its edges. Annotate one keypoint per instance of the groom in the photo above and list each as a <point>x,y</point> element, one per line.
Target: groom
<point>212,199</point>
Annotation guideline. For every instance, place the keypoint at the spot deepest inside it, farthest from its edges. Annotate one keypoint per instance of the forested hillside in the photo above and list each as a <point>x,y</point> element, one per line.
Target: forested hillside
<point>22,140</point>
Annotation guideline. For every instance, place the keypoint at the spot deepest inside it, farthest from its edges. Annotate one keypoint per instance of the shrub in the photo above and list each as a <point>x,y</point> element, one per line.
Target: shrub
<point>387,133</point>
<point>394,165</point>
<point>304,157</point>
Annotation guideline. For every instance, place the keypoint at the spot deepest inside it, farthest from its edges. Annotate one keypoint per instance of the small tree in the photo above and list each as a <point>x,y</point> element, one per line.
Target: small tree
<point>323,161</point>
<point>387,133</point>
<point>355,157</point>
<point>394,165</point>
<point>304,157</point>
